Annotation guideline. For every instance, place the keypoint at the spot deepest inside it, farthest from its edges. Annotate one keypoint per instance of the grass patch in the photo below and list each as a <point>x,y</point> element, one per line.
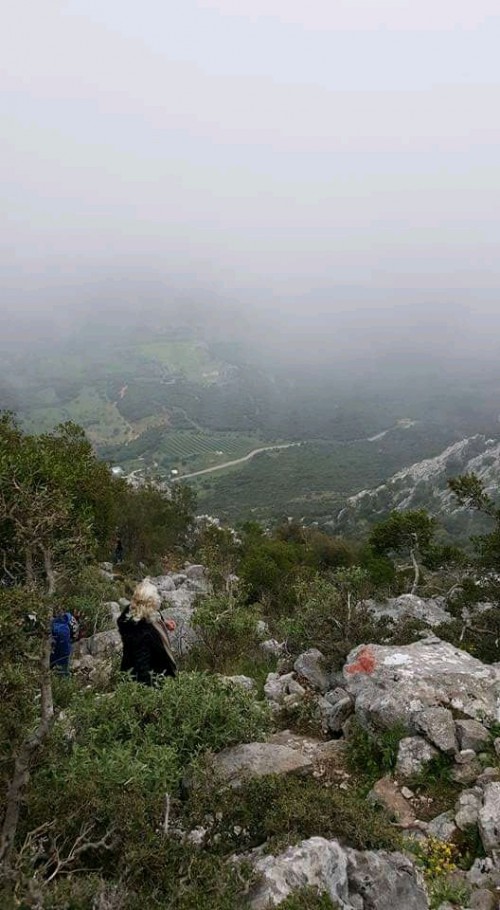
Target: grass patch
<point>278,811</point>
<point>370,756</point>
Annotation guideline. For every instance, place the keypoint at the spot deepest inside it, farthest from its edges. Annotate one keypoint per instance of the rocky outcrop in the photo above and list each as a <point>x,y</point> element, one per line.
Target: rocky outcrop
<point>425,483</point>
<point>393,685</point>
<point>354,880</point>
<point>431,611</point>
<point>316,863</point>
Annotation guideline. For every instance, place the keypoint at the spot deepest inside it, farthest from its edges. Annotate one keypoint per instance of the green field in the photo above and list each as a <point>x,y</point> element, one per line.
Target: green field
<point>190,359</point>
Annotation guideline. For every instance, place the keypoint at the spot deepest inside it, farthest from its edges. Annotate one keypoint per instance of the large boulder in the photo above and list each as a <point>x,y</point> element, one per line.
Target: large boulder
<point>373,880</point>
<point>164,583</point>
<point>393,685</point>
<point>408,606</point>
<point>238,763</point>
<point>385,880</point>
<point>196,573</point>
<point>315,863</point>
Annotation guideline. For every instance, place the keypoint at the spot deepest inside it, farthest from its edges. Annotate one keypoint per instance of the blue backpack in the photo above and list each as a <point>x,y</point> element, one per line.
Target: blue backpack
<point>61,640</point>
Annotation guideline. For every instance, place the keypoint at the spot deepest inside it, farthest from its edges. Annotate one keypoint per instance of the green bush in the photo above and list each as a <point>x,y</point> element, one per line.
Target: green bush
<point>111,761</point>
<point>86,599</point>
<point>325,618</point>
<point>226,631</point>
<point>371,756</point>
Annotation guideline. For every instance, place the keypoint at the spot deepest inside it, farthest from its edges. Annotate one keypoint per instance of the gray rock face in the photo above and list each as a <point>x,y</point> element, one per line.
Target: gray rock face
<point>385,880</point>
<point>483,900</point>
<point>245,682</point>
<point>178,578</point>
<point>467,808</point>
<point>317,863</point>
<point>372,880</point>
<point>283,690</point>
<point>439,727</point>
<point>472,735</point>
<point>409,606</point>
<point>335,707</point>
<point>395,684</point>
<point>443,827</point>
<point>101,645</point>
<point>414,754</point>
<point>258,759</point>
<point>489,818</point>
<point>312,666</point>
<point>196,573</point>
<point>164,583</point>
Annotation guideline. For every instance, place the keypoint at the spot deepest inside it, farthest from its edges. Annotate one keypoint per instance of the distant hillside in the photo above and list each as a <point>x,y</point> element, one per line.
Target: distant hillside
<point>424,485</point>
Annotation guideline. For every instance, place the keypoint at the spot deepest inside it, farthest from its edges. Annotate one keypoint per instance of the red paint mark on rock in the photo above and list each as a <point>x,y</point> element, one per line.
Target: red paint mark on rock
<point>364,663</point>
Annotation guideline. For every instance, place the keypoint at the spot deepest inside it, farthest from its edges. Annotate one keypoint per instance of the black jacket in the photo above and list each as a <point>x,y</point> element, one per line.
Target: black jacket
<point>143,653</point>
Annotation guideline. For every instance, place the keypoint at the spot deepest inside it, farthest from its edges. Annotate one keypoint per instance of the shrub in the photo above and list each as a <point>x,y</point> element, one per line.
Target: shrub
<point>115,756</point>
<point>226,630</point>
<point>325,618</point>
<point>371,755</point>
<point>86,599</point>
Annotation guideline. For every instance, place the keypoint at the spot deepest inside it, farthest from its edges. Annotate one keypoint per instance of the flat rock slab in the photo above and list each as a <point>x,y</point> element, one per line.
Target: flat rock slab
<point>258,759</point>
<point>395,684</point>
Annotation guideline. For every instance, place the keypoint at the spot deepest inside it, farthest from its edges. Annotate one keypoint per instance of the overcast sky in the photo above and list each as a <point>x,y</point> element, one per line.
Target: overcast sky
<point>265,147</point>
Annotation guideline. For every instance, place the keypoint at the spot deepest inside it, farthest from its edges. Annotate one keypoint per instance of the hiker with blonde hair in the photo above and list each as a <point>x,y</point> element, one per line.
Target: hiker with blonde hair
<point>147,653</point>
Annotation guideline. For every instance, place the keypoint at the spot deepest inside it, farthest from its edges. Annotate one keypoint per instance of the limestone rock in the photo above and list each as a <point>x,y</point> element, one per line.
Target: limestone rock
<point>489,818</point>
<point>316,863</point>
<point>245,682</point>
<point>385,880</point>
<point>272,647</point>
<point>196,573</point>
<point>178,578</point>
<point>101,645</point>
<point>409,606</point>
<point>414,754</point>
<point>472,735</point>
<point>467,808</point>
<point>439,728</point>
<point>258,759</point>
<point>335,707</point>
<point>164,583</point>
<point>443,827</point>
<point>311,665</point>
<point>466,774</point>
<point>395,684</point>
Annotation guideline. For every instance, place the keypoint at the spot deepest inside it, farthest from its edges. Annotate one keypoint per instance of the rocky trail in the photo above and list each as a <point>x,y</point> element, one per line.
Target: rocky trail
<point>446,706</point>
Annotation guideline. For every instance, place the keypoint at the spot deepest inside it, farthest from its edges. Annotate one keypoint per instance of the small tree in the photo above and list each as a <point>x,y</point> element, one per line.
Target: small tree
<point>56,505</point>
<point>402,533</point>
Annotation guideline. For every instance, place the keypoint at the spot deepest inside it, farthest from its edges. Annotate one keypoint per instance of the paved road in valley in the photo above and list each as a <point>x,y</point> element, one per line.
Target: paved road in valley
<point>230,464</point>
